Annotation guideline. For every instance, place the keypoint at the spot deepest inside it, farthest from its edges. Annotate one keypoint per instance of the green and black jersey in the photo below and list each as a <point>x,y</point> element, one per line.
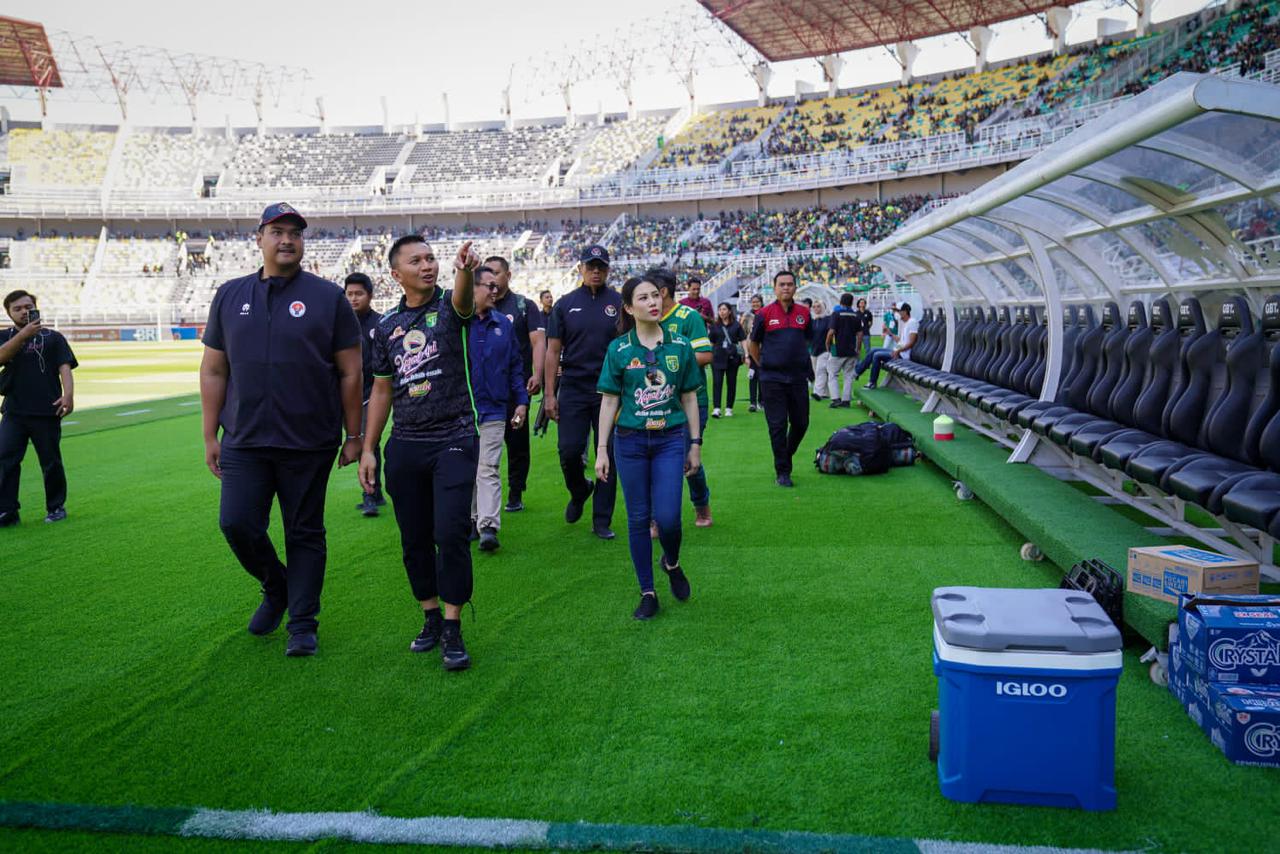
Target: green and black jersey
<point>423,351</point>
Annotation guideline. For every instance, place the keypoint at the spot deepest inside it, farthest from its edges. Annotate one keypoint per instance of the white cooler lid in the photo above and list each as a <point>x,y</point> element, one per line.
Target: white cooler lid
<point>996,619</point>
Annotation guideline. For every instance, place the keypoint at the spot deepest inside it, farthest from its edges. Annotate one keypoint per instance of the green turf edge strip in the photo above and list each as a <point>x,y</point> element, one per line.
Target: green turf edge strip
<point>141,820</point>
<point>371,828</point>
<point>1066,524</point>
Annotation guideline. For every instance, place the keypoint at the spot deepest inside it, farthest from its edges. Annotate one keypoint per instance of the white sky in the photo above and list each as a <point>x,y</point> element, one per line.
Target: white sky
<point>413,52</point>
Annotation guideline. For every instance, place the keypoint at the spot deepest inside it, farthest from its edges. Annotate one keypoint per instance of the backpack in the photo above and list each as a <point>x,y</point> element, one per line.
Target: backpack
<point>866,448</point>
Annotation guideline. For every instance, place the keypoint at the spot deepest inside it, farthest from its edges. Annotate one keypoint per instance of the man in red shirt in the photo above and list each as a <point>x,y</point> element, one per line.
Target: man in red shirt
<point>779,345</point>
<point>696,301</point>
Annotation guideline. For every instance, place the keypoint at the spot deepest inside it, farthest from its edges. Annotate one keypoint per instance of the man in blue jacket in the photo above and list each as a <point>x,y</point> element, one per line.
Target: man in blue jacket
<point>497,372</point>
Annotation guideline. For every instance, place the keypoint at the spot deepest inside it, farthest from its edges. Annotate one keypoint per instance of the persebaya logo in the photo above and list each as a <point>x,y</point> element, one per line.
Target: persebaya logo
<point>673,363</point>
<point>430,319</point>
<point>1259,649</point>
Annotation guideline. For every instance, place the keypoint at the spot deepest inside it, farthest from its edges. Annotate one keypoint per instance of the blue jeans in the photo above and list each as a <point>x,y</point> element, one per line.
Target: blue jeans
<point>699,492</point>
<point>651,469</point>
<point>877,357</point>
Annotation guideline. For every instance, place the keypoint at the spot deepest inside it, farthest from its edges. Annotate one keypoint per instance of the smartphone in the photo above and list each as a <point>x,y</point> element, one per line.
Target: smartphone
<point>33,315</point>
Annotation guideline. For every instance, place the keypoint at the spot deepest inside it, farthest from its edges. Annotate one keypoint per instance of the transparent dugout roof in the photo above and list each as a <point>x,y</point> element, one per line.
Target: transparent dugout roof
<point>1176,189</point>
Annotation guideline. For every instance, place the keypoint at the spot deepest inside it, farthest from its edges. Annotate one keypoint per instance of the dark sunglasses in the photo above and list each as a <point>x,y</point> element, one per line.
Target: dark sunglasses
<point>651,360</point>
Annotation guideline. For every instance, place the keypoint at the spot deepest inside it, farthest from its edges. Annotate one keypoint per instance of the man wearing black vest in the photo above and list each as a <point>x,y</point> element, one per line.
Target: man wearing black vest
<point>280,377</point>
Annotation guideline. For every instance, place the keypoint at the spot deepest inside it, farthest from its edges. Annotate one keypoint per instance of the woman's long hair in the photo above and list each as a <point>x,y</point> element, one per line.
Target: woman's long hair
<point>625,321</point>
<point>733,315</point>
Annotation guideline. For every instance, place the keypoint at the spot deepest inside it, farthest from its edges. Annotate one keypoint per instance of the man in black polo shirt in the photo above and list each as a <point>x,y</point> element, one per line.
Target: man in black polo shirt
<point>280,376</point>
<point>579,330</point>
<point>779,344</point>
<point>529,332</point>
<point>359,290</point>
<point>420,370</point>
<point>35,381</point>
<point>843,334</point>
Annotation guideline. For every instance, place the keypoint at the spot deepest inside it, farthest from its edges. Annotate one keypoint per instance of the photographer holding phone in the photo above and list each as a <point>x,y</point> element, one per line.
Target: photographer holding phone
<point>36,384</point>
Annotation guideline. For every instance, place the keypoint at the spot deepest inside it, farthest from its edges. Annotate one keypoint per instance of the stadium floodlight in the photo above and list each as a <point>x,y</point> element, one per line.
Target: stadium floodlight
<point>88,70</point>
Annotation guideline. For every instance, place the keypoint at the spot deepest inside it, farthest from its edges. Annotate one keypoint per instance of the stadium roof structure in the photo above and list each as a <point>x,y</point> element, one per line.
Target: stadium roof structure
<point>26,59</point>
<point>1157,196</point>
<point>798,29</point>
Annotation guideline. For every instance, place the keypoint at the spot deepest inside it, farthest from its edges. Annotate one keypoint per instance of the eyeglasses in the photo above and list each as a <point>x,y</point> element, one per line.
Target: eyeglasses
<point>651,360</point>
<point>493,286</point>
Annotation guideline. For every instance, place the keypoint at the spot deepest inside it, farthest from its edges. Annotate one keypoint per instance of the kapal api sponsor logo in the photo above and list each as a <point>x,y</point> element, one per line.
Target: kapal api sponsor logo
<point>1030,689</point>
<point>1259,649</point>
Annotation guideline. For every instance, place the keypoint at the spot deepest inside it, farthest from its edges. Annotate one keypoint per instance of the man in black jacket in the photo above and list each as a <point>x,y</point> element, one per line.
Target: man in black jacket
<point>38,392</point>
<point>359,289</point>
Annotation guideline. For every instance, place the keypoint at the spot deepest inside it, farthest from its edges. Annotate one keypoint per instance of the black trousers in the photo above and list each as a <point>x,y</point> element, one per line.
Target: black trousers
<point>753,385</point>
<point>579,421</point>
<point>251,479</point>
<point>725,377</point>
<point>786,410</point>
<point>518,457</point>
<point>430,485</point>
<point>45,432</point>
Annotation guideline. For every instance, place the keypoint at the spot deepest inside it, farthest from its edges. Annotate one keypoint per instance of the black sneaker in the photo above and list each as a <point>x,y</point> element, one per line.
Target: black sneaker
<point>454,651</point>
<point>751,408</point>
<point>604,532</point>
<point>379,500</point>
<point>369,507</point>
<point>514,504</point>
<point>267,618</point>
<point>429,638</point>
<point>785,480</point>
<point>870,385</point>
<point>647,608</point>
<point>56,515</point>
<point>835,404</point>
<point>301,644</point>
<point>488,539</point>
<point>817,397</point>
<point>8,520</point>
<point>475,533</point>
<point>679,583</point>
<point>573,510</point>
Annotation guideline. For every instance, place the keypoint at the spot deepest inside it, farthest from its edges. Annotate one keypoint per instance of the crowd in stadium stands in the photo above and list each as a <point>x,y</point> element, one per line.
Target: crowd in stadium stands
<point>709,137</point>
<point>1244,36</point>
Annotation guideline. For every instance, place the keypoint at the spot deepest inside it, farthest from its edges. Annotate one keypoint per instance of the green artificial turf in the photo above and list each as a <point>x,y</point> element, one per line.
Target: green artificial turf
<point>792,692</point>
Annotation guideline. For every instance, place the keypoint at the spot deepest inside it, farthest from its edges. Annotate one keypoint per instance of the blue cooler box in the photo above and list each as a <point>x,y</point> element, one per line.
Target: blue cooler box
<point>1026,696</point>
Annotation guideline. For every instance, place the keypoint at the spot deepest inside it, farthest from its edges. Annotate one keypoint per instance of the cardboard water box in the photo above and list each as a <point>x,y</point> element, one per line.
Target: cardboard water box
<point>1167,572</point>
<point>1231,639</point>
<point>1243,721</point>
<point>1186,684</point>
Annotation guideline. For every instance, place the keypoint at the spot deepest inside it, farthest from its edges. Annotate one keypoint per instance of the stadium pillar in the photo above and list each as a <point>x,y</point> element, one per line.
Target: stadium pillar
<point>1057,19</point>
<point>566,89</point>
<point>762,73</point>
<point>631,101</point>
<point>1144,16</point>
<point>506,108</point>
<point>687,78</point>
<point>444,99</point>
<point>386,115</point>
<point>907,53</point>
<point>980,37</point>
<point>831,65</point>
<point>320,114</point>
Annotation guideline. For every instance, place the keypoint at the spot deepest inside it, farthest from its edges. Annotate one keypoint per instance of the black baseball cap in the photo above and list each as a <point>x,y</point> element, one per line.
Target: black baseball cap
<point>595,252</point>
<point>281,210</point>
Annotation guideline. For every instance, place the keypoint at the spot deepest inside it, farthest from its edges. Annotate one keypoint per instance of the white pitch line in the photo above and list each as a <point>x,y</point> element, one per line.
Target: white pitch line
<point>366,827</point>
<point>190,403</point>
<point>131,412</point>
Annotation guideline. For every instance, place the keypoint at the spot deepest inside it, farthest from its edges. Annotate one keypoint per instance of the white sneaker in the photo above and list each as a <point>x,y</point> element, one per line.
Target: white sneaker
<point>728,413</point>
<point>715,413</point>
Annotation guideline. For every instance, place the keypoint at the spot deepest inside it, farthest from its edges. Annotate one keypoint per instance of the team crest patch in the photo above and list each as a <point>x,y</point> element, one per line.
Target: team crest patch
<point>421,389</point>
<point>673,363</point>
<point>611,310</point>
<point>414,341</point>
<point>297,308</point>
<point>430,319</point>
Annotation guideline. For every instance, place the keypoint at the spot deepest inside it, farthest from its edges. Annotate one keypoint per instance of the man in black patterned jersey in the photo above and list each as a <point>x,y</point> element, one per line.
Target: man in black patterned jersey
<point>420,369</point>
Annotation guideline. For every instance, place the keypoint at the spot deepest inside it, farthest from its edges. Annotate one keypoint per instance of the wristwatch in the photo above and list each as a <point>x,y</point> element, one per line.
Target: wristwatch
<point>696,441</point>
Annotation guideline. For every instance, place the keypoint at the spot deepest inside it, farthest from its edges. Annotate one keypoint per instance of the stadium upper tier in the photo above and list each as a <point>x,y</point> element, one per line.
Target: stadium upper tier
<point>955,122</point>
